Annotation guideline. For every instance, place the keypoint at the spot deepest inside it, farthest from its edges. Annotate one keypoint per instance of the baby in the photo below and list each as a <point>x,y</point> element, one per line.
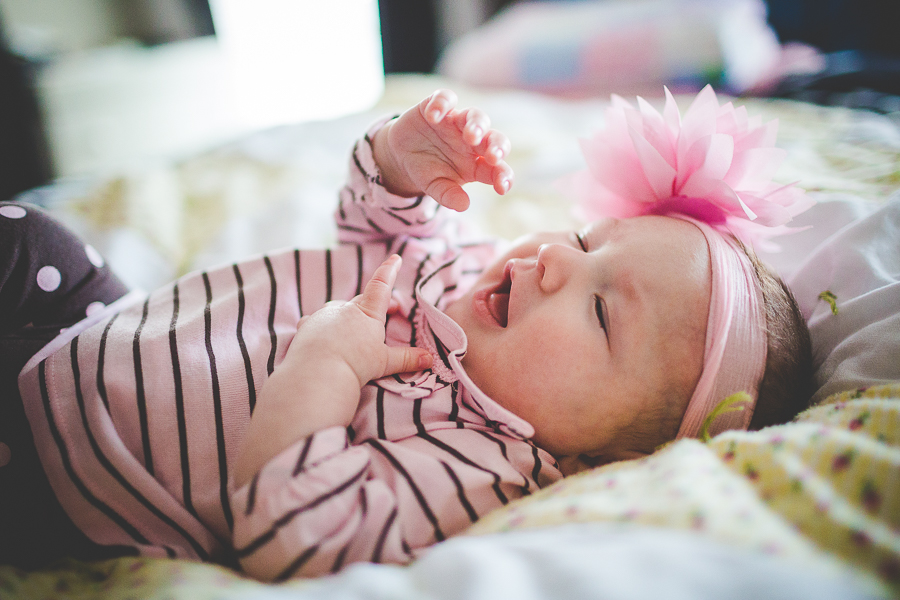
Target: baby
<point>242,415</point>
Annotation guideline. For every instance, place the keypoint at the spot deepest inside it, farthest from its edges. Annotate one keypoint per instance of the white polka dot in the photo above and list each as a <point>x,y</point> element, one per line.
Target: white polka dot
<point>5,454</point>
<point>12,212</point>
<point>94,307</point>
<point>48,278</point>
<point>94,256</point>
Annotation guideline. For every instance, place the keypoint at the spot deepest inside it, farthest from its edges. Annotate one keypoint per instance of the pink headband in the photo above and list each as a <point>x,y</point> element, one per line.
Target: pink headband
<point>735,351</point>
<point>712,167</point>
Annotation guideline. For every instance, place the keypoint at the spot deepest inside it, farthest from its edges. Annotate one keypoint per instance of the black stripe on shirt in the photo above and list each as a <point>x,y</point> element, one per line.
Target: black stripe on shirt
<point>342,214</point>
<point>382,537</point>
<point>417,202</point>
<point>251,494</point>
<point>101,361</point>
<point>536,471</point>
<point>444,292</point>
<point>465,460</point>
<point>110,468</point>
<point>415,307</point>
<point>270,365</point>
<point>446,265</point>
<point>340,558</point>
<point>180,415</point>
<point>403,221</point>
<point>359,270</point>
<point>358,163</point>
<point>301,460</point>
<point>296,564</point>
<point>454,408</point>
<point>402,247</point>
<point>502,445</point>
<point>289,516</point>
<point>239,332</point>
<point>423,503</point>
<point>139,390</point>
<point>297,274</point>
<point>328,275</point>
<point>118,519</point>
<point>379,412</point>
<point>441,349</point>
<point>374,225</point>
<point>461,493</point>
<point>343,227</point>
<point>217,408</point>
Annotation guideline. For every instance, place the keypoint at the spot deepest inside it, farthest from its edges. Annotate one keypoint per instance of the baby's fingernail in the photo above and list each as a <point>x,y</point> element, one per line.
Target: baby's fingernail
<point>477,132</point>
<point>425,361</point>
<point>435,115</point>
<point>498,152</point>
<point>504,183</point>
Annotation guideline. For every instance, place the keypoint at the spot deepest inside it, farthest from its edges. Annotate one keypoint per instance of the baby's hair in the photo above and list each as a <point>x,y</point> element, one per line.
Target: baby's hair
<point>787,385</point>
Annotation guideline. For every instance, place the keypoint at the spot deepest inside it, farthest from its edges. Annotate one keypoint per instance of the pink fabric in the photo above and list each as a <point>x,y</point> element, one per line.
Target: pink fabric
<point>735,350</point>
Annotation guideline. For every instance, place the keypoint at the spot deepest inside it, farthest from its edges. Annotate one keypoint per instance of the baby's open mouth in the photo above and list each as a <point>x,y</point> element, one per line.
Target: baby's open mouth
<point>498,300</point>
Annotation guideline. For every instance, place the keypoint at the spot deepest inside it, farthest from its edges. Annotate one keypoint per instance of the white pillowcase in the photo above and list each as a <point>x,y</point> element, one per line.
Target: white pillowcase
<point>853,251</point>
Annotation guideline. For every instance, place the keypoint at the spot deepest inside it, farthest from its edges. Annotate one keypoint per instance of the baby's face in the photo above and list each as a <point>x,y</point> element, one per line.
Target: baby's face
<point>578,332</point>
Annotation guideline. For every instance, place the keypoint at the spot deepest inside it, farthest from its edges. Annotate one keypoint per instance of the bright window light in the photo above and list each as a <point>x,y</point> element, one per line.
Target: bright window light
<point>298,60</point>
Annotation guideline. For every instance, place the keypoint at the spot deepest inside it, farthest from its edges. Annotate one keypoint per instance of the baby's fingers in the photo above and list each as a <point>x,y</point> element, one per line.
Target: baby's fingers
<point>406,359</point>
<point>494,147</point>
<point>474,124</point>
<point>435,107</point>
<point>376,297</point>
<point>500,176</point>
<point>448,193</point>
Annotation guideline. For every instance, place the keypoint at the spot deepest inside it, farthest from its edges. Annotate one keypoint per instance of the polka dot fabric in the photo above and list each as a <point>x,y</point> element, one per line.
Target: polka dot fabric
<point>49,280</point>
<point>826,485</point>
<point>48,277</point>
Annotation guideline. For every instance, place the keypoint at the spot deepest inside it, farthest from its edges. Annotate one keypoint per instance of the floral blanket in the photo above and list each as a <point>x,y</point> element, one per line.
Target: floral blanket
<point>824,488</point>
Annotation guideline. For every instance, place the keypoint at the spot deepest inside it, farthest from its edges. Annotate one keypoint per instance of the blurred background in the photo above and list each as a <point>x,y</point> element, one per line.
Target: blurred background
<point>91,86</point>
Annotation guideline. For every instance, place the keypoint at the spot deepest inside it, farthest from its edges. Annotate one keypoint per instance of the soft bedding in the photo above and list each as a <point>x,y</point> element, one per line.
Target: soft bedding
<point>808,509</point>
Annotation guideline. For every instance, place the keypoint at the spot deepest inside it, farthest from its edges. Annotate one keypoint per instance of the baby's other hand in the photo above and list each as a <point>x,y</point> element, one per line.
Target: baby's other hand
<point>350,336</point>
<point>435,148</point>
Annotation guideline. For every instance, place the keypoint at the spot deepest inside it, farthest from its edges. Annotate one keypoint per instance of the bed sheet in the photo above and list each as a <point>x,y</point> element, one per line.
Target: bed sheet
<point>821,495</point>
<point>807,510</point>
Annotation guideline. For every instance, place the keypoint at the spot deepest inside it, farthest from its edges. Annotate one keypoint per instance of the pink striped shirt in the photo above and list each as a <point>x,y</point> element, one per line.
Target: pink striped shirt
<point>139,413</point>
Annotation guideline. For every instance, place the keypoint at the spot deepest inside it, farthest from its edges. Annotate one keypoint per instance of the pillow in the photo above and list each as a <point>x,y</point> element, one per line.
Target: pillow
<point>848,288</point>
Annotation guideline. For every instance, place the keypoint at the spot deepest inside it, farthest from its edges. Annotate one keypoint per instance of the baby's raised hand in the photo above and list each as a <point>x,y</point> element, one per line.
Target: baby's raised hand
<point>434,148</point>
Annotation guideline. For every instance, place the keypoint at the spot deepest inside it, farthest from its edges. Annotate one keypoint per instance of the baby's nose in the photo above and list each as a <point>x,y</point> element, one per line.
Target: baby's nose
<point>555,262</point>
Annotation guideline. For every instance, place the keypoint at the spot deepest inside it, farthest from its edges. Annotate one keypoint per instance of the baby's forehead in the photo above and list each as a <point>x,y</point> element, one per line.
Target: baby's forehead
<point>668,228</point>
<point>667,263</point>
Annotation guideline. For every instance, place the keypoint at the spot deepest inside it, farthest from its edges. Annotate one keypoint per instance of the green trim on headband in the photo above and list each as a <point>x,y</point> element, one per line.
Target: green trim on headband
<point>725,406</point>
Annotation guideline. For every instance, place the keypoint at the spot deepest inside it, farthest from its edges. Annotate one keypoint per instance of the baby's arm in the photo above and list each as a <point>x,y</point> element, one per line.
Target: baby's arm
<point>434,148</point>
<point>336,351</point>
<point>403,169</point>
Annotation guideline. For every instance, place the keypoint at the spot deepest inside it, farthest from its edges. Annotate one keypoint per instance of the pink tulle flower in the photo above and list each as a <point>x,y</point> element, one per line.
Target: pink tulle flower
<point>714,164</point>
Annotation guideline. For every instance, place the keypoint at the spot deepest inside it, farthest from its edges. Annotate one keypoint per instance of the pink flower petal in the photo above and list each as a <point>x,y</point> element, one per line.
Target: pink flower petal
<point>714,163</point>
<point>719,155</point>
<point>660,175</point>
<point>753,169</point>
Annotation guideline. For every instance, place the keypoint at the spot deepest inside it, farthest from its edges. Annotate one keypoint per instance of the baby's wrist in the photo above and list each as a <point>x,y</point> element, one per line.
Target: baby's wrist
<point>393,178</point>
